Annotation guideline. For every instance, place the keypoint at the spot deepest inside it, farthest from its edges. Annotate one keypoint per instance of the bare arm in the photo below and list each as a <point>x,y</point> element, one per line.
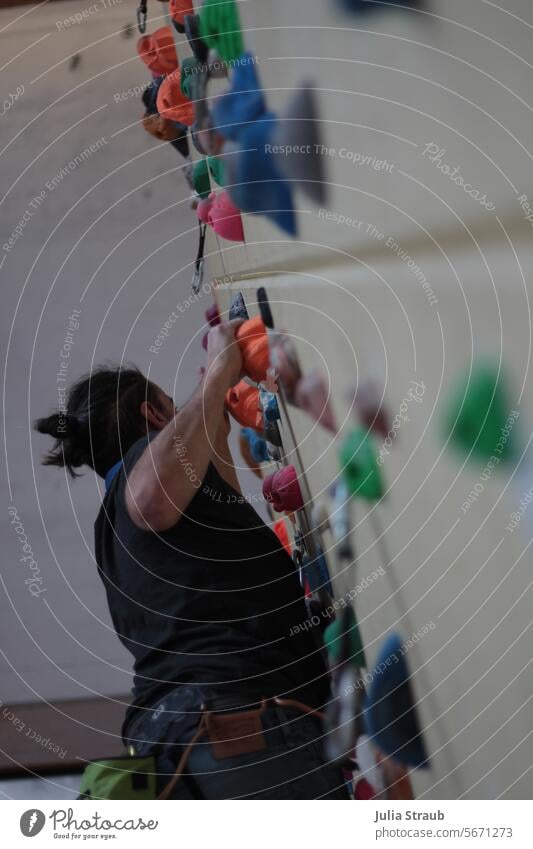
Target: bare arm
<point>168,474</point>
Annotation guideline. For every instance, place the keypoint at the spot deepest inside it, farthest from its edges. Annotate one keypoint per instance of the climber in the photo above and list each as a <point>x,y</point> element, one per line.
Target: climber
<point>200,590</point>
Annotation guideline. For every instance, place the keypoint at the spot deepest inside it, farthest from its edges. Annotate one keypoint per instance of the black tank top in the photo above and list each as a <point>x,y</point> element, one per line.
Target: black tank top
<point>213,600</point>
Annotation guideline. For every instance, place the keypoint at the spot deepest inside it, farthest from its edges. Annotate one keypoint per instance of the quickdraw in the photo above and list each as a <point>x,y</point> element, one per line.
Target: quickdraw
<point>198,277</point>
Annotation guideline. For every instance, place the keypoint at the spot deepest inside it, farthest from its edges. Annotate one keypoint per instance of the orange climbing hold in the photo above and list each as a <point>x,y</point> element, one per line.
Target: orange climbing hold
<point>253,342</point>
<point>178,9</point>
<point>242,401</point>
<point>158,51</point>
<point>172,103</point>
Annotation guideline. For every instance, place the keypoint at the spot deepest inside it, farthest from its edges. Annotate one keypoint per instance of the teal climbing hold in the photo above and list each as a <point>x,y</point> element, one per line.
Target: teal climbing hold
<point>200,178</point>
<point>359,465</point>
<point>216,169</point>
<point>189,67</point>
<point>478,413</point>
<point>343,642</point>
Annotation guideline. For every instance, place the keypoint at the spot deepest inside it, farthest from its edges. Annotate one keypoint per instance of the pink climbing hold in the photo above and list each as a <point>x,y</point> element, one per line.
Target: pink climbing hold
<point>204,208</point>
<point>311,394</point>
<point>283,491</point>
<point>225,218</point>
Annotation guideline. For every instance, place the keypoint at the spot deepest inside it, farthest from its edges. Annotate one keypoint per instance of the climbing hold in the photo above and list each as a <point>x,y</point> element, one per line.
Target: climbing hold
<point>189,67</point>
<point>253,343</point>
<point>312,395</point>
<point>477,414</point>
<point>162,128</point>
<point>220,28</point>
<point>204,207</point>
<point>316,573</point>
<point>280,529</point>
<point>212,315</point>
<point>242,401</point>
<point>369,6</point>
<point>282,490</point>
<point>257,445</point>
<point>297,133</point>
<point>390,715</point>
<point>246,452</point>
<point>200,177</point>
<point>343,642</point>
<point>363,790</point>
<point>269,405</point>
<point>285,361</point>
<point>149,95</point>
<point>257,185</point>
<point>359,467</point>
<point>177,10</point>
<point>216,169</point>
<point>172,103</point>
<point>242,103</point>
<point>371,410</point>
<point>225,218</point>
<point>158,51</point>
<point>196,43</point>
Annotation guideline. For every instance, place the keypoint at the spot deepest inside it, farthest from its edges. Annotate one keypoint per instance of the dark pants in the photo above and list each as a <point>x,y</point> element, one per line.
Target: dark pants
<point>291,766</point>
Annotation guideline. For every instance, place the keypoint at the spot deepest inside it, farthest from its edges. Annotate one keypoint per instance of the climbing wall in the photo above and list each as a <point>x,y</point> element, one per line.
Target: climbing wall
<point>415,269</point>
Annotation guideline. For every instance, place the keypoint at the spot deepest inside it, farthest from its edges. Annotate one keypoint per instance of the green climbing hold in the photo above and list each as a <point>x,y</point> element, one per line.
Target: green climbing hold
<point>216,169</point>
<point>220,28</point>
<point>343,642</point>
<point>479,418</point>
<point>189,67</point>
<point>200,178</point>
<point>359,465</point>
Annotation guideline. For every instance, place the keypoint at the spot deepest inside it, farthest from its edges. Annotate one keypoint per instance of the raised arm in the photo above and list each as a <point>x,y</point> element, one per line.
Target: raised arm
<point>165,478</point>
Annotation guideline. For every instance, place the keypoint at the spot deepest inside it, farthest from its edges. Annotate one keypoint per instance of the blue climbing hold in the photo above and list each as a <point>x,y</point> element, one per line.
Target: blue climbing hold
<point>256,184</point>
<point>315,570</point>
<point>364,6</point>
<point>390,715</point>
<point>234,110</point>
<point>258,446</point>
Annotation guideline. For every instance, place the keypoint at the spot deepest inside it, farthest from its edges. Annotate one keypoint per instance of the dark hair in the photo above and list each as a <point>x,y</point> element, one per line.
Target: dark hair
<point>101,419</point>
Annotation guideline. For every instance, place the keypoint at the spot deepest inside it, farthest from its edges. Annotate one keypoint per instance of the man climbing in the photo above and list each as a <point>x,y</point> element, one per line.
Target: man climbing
<point>200,590</point>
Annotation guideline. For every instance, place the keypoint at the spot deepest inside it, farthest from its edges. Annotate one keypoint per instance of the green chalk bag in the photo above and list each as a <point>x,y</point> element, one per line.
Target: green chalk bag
<point>120,778</point>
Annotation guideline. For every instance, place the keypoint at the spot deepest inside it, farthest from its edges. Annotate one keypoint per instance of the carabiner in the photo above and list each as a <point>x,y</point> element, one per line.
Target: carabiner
<point>198,277</point>
<point>141,16</point>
